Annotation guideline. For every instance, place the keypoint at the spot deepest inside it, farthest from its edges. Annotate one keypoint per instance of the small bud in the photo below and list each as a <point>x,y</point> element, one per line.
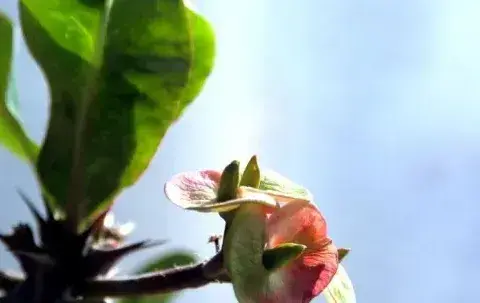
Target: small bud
<point>251,175</point>
<point>229,182</point>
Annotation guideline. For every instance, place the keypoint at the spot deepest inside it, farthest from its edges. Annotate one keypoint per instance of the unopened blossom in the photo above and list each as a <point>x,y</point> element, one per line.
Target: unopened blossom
<point>253,231</point>
<point>266,219</point>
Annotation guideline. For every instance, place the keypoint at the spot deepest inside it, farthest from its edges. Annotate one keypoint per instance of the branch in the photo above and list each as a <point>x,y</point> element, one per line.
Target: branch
<point>170,280</point>
<point>179,278</point>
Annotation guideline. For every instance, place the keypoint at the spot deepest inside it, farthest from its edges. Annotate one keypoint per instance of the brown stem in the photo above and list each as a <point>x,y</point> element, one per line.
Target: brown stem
<point>189,276</point>
<point>179,278</point>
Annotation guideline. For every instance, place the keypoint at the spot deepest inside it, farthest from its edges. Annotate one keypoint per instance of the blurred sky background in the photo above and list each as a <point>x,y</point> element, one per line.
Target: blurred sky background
<point>374,105</point>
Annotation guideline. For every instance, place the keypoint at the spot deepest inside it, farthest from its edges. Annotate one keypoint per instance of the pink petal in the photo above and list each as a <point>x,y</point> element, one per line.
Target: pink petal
<point>300,222</point>
<point>310,274</point>
<point>306,277</point>
<point>193,188</point>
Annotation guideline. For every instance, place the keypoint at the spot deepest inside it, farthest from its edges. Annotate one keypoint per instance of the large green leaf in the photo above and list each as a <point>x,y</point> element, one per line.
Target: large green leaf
<point>12,135</point>
<point>203,57</point>
<point>116,87</point>
<point>172,259</point>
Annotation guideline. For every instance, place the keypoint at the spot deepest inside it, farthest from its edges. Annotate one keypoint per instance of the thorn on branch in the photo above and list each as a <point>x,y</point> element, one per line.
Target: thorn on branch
<point>215,239</point>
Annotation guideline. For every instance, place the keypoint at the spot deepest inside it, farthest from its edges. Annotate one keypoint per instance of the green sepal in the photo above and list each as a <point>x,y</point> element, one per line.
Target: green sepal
<point>251,174</point>
<point>228,186</point>
<point>342,253</point>
<point>277,257</point>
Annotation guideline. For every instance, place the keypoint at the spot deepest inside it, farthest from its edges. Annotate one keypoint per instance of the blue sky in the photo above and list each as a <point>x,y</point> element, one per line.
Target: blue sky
<point>374,105</point>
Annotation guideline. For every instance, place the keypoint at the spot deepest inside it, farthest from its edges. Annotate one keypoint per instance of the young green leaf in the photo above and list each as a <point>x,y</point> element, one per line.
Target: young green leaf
<point>169,260</point>
<point>63,37</point>
<point>12,134</point>
<point>116,88</point>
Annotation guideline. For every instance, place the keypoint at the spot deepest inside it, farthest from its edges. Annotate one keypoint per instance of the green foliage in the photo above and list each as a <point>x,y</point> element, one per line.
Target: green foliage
<point>12,135</point>
<point>120,73</point>
<point>170,260</point>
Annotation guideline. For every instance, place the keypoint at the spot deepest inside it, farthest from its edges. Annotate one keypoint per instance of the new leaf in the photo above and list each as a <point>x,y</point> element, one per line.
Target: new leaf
<point>120,74</point>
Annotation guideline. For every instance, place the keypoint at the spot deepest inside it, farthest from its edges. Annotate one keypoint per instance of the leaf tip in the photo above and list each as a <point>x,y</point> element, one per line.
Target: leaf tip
<point>342,253</point>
